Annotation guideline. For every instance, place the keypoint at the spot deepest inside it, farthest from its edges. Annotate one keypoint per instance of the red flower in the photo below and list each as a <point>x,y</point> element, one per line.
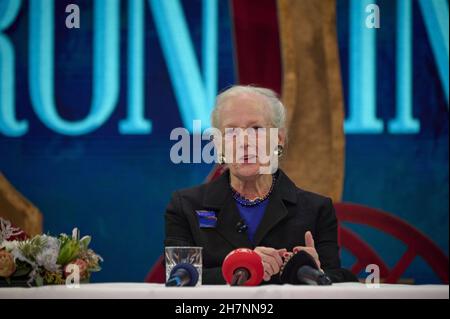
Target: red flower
<point>10,232</point>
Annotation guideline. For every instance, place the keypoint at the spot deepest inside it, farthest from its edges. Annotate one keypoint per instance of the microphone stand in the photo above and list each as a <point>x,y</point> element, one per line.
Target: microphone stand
<point>240,276</point>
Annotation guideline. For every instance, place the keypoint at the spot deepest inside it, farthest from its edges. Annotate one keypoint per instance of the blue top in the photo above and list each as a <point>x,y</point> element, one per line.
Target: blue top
<point>252,215</point>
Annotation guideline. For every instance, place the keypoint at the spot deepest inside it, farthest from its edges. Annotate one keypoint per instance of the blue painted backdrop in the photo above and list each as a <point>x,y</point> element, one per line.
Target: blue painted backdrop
<point>115,184</point>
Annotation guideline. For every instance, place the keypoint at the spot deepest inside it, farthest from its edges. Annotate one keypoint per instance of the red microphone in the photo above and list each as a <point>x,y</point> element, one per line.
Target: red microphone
<point>243,267</point>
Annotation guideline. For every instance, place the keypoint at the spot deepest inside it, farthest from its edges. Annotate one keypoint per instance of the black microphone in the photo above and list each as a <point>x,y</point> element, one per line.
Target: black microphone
<point>301,269</point>
<point>183,275</point>
<point>241,226</point>
<point>240,277</point>
<point>310,276</point>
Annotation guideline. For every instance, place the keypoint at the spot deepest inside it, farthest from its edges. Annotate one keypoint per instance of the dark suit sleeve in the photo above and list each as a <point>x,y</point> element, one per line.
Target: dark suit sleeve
<point>178,233</point>
<point>327,245</point>
<point>213,276</point>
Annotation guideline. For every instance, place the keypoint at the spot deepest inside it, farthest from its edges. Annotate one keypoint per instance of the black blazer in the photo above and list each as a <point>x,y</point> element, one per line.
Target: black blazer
<point>289,214</point>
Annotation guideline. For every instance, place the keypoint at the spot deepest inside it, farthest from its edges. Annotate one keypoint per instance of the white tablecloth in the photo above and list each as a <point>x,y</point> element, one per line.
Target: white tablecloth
<point>155,291</point>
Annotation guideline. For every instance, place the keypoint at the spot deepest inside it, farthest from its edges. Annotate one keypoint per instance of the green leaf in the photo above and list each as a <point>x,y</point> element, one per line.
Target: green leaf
<point>39,281</point>
<point>21,272</point>
<point>68,251</point>
<point>95,269</point>
<point>85,241</point>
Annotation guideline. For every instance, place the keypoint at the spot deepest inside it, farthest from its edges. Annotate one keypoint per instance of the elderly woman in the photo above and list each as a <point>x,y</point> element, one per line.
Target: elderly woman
<point>252,207</point>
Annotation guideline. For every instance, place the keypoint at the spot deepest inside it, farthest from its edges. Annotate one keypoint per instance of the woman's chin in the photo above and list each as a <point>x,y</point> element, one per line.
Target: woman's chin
<point>247,169</point>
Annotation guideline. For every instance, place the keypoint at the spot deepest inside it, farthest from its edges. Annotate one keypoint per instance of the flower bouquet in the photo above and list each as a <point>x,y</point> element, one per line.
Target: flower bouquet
<point>43,259</point>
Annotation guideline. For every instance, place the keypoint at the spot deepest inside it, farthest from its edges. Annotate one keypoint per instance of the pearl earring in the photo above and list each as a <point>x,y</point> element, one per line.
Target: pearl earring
<point>279,150</point>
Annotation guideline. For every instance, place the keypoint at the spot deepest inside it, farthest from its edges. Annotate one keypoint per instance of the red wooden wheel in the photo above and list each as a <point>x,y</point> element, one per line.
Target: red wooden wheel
<point>418,244</point>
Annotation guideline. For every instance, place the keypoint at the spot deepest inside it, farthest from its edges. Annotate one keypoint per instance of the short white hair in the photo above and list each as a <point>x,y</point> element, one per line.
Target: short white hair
<point>278,111</point>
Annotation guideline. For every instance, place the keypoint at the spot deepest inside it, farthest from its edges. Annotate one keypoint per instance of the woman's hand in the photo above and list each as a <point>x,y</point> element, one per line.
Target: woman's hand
<point>271,259</point>
<point>309,248</point>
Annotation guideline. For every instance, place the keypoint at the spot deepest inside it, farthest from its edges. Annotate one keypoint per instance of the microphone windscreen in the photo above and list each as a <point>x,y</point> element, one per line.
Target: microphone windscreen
<point>288,272</point>
<point>190,269</point>
<point>247,259</point>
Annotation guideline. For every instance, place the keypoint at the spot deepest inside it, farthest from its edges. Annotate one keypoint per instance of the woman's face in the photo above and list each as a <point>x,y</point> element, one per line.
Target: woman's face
<point>243,145</point>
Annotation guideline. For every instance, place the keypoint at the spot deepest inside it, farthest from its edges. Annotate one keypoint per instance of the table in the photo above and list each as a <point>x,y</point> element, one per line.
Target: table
<point>157,291</point>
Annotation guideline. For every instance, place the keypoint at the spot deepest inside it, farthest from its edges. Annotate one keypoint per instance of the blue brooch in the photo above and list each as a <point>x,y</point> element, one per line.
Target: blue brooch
<point>206,219</point>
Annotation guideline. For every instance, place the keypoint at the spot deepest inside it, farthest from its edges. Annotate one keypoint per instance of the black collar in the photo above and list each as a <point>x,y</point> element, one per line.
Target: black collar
<point>219,191</point>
